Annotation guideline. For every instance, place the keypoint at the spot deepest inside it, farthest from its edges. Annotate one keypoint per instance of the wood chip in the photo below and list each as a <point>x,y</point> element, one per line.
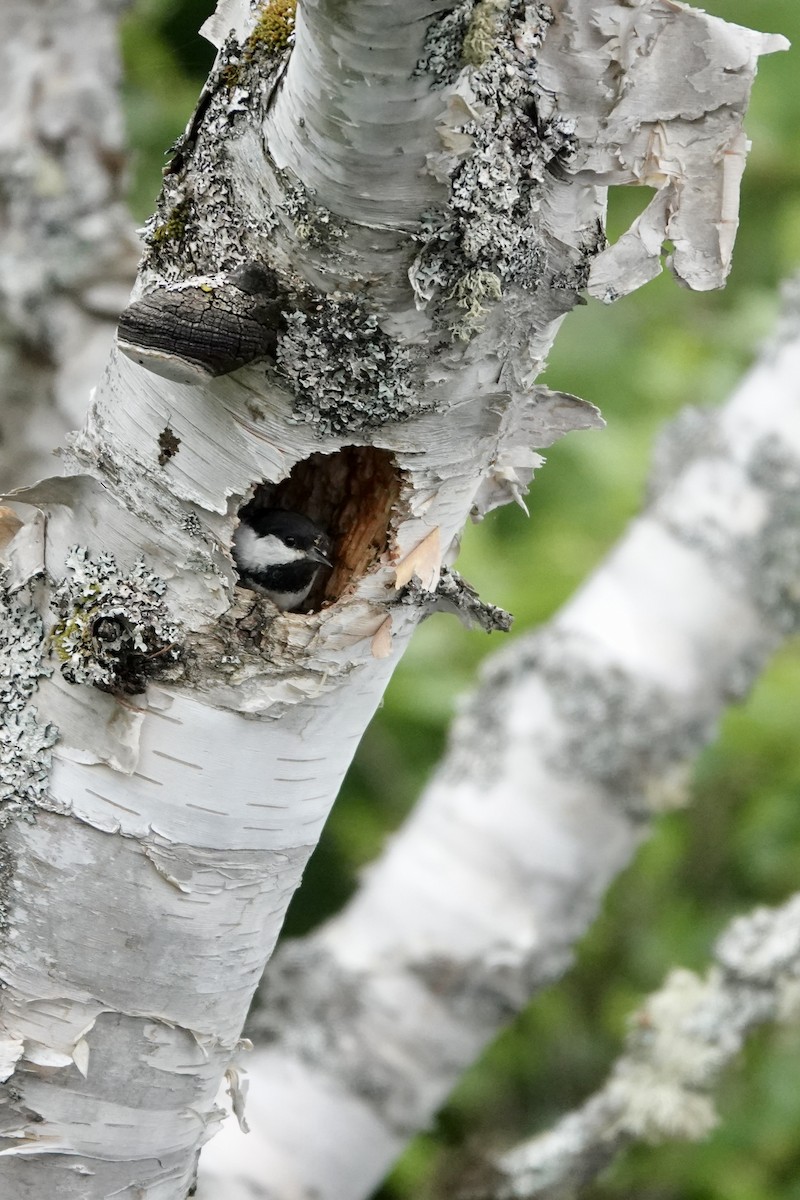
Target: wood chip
<point>424,561</point>
<point>9,525</point>
<point>382,640</point>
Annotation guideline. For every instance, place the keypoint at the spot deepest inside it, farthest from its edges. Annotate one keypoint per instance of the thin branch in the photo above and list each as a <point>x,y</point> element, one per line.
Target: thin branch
<point>680,1042</point>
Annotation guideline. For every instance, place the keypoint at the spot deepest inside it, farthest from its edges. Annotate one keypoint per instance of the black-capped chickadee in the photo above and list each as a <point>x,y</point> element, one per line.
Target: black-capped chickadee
<point>279,554</point>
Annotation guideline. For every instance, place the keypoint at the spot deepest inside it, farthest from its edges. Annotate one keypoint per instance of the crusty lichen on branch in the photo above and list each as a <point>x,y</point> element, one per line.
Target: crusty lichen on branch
<point>497,151</point>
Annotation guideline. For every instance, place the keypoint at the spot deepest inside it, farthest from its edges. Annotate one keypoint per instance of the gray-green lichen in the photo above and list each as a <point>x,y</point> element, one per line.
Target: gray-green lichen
<point>192,524</point>
<point>475,990</point>
<point>774,561</point>
<point>114,629</point>
<point>498,150</point>
<point>693,1027</point>
<point>677,1045</point>
<point>7,868</point>
<point>788,326</point>
<point>25,741</point>
<point>763,945</point>
<point>695,432</point>
<point>346,373</point>
<point>454,595</point>
<point>444,40</point>
<point>624,734</point>
<point>765,567</point>
<point>463,37</point>
<point>199,227</point>
<point>472,293</point>
<point>483,28</point>
<point>314,225</point>
<point>480,736</point>
<point>343,994</point>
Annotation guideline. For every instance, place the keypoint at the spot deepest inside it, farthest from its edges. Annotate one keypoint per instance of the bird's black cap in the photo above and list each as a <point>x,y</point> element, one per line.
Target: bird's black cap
<point>293,528</point>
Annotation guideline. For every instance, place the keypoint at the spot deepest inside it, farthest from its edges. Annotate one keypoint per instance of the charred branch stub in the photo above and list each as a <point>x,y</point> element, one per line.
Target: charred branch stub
<point>193,331</point>
<point>351,496</point>
<point>346,372</point>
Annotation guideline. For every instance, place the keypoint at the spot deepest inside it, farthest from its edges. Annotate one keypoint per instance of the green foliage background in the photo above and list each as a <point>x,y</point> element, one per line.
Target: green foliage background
<point>739,842</point>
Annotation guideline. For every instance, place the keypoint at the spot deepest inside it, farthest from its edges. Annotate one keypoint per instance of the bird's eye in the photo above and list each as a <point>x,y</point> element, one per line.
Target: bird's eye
<point>290,541</point>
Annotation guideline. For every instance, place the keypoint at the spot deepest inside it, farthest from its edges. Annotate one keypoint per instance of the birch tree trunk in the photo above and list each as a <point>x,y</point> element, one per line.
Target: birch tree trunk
<point>365,243</point>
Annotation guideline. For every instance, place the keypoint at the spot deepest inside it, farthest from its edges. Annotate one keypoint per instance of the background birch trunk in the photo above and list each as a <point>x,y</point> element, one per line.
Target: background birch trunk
<point>426,196</point>
<point>67,251</point>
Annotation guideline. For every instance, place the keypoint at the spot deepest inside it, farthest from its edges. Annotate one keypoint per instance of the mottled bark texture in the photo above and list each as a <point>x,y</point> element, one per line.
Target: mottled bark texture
<point>67,251</point>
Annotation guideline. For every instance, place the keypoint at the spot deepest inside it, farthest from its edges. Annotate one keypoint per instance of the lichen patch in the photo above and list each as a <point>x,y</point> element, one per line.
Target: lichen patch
<point>346,373</point>
<point>497,151</point>
<point>168,445</point>
<point>25,741</point>
<point>274,28</point>
<point>114,629</point>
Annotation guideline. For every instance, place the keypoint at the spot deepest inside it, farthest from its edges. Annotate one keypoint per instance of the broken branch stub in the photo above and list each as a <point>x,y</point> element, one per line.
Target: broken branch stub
<point>191,332</point>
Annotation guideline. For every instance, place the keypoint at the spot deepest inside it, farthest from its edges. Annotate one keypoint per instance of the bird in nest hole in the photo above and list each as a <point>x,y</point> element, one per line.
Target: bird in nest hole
<point>279,554</point>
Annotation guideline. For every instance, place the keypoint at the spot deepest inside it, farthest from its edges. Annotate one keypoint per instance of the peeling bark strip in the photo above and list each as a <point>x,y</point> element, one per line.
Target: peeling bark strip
<point>424,219</point>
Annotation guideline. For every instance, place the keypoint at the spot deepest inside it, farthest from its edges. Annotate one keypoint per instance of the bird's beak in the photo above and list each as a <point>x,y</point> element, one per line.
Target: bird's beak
<point>317,555</point>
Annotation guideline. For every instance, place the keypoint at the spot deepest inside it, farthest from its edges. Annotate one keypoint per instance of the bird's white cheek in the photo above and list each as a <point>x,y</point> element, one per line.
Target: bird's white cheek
<point>254,553</point>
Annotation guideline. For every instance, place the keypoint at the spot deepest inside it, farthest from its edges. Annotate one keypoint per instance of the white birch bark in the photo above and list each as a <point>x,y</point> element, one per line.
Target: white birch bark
<point>168,825</point>
<point>577,735</point>
<point>680,1041</point>
<point>67,251</point>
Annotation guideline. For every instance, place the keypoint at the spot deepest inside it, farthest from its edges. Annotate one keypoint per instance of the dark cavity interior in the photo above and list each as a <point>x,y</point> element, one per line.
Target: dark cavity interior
<point>351,494</point>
